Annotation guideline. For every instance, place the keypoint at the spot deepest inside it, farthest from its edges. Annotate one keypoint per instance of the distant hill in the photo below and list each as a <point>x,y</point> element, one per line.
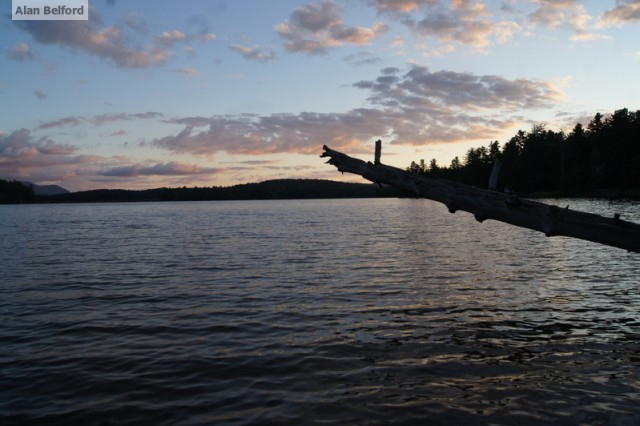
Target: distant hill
<point>268,190</point>
<point>46,190</point>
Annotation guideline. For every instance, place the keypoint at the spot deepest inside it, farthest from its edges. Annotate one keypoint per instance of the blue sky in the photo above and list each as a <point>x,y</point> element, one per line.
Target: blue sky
<point>151,93</point>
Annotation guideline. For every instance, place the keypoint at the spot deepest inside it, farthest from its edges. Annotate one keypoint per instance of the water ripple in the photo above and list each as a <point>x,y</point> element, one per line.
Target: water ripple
<point>310,312</point>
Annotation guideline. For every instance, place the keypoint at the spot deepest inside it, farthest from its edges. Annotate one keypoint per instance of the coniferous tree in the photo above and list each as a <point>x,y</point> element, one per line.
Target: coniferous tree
<point>605,155</point>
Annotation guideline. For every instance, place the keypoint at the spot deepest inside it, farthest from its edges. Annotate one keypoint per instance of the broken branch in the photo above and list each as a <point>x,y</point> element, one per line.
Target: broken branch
<point>490,204</point>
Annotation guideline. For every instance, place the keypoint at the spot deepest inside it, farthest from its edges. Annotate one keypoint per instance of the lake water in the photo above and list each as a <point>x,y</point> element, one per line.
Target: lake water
<point>371,311</point>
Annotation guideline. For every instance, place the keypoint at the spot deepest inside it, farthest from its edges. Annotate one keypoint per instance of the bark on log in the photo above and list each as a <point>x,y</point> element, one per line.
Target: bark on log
<point>489,204</point>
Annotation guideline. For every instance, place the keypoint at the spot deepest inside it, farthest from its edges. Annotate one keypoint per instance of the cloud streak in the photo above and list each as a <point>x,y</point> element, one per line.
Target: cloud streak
<point>98,120</point>
<point>189,72</point>
<point>171,168</point>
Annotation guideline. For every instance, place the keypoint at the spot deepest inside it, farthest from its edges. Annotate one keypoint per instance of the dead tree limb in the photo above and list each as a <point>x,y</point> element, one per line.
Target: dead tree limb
<point>489,204</point>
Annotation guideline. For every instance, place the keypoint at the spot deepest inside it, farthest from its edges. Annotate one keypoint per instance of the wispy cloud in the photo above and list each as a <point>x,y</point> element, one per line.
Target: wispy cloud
<point>455,22</point>
<point>253,53</point>
<point>422,88</point>
<point>189,72</point>
<point>123,116</point>
<point>552,13</point>
<point>115,44</point>
<point>62,122</point>
<point>569,14</point>
<point>317,27</point>
<point>98,120</point>
<point>472,23</point>
<point>625,12</point>
<point>401,6</point>
<point>363,58</point>
<point>40,95</point>
<point>22,52</point>
<point>171,37</point>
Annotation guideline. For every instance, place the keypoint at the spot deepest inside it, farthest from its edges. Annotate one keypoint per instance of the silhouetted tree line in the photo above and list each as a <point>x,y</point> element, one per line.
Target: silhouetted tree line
<point>14,192</point>
<point>267,190</point>
<point>602,159</point>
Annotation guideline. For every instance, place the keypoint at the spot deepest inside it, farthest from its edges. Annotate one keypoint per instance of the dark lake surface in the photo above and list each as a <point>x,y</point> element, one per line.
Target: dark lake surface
<point>371,311</point>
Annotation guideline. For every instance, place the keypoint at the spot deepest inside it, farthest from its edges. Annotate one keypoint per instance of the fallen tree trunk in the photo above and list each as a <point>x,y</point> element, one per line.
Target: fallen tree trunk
<point>489,204</point>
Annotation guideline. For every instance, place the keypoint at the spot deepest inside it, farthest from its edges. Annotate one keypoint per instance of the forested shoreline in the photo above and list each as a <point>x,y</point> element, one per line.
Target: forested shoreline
<point>602,159</point>
<point>14,192</point>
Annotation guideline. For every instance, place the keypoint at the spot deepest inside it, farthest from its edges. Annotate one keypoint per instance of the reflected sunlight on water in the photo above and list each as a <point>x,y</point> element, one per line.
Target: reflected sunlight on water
<point>316,311</point>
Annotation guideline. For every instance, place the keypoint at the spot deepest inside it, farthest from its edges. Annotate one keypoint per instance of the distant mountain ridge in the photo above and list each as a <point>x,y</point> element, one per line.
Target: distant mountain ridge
<point>46,190</point>
<point>277,189</point>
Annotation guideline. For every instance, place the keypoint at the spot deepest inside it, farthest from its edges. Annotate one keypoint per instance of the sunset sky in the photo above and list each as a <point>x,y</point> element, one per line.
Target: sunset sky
<point>151,93</point>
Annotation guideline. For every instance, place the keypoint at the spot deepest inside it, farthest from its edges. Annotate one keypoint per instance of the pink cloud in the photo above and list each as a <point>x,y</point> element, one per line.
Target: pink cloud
<point>23,156</point>
<point>317,27</point>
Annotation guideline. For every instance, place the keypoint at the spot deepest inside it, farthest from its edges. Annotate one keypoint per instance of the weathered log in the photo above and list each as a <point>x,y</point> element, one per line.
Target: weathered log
<point>490,204</point>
